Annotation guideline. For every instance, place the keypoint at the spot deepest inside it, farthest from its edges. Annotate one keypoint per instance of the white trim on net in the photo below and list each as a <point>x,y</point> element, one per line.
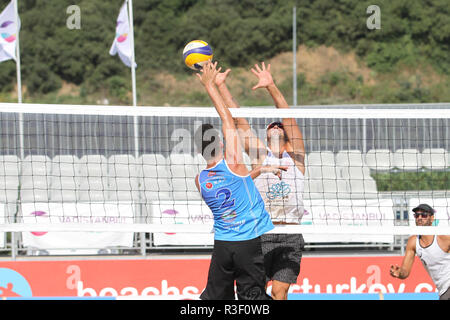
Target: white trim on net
<point>400,111</point>
<point>209,228</point>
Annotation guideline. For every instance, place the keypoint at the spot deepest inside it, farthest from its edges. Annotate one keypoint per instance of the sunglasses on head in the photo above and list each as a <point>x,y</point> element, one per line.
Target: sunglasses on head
<point>276,123</point>
<point>422,214</point>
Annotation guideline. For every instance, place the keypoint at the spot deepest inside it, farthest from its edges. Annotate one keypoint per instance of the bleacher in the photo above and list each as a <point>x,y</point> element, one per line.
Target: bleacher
<point>154,177</point>
<point>90,155</point>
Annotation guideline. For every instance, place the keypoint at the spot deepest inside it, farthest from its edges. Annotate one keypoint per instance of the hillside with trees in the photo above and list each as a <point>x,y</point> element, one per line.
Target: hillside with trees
<point>339,59</point>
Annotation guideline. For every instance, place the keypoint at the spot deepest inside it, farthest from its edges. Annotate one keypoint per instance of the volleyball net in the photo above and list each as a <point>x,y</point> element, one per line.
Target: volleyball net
<point>132,169</point>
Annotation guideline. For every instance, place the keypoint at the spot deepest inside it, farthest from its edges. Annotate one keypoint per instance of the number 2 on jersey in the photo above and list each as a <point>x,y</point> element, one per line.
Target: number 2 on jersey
<point>227,202</point>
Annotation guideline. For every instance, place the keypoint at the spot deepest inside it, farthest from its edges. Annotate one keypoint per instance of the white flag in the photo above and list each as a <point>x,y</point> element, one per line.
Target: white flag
<point>122,42</point>
<point>9,28</point>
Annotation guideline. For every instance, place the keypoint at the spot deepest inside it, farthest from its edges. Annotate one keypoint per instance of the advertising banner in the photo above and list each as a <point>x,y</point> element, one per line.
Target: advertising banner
<point>182,212</point>
<point>186,278</point>
<point>330,212</point>
<point>103,213</point>
<point>346,212</point>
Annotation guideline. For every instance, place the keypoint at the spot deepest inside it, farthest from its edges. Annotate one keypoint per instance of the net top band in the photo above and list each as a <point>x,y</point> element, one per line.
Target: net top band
<point>395,111</point>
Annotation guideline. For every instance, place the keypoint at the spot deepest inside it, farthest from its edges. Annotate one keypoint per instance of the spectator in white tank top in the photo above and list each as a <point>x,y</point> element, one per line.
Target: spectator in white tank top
<point>433,251</point>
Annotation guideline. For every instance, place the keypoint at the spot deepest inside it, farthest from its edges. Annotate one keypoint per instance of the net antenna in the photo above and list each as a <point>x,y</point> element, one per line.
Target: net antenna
<point>112,168</point>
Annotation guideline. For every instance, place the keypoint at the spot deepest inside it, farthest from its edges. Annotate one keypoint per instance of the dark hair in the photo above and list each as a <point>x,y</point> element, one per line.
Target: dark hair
<point>425,208</point>
<point>207,140</point>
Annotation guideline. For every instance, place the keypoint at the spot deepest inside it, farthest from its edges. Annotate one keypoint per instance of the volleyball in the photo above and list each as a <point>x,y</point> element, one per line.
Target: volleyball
<point>196,53</point>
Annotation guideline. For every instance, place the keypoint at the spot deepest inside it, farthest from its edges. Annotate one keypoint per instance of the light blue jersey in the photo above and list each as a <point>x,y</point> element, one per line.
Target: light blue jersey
<point>236,204</point>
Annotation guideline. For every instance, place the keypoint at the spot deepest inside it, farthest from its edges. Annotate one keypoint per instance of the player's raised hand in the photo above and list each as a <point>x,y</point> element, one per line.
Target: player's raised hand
<point>221,77</point>
<point>275,169</point>
<point>264,76</point>
<point>208,73</point>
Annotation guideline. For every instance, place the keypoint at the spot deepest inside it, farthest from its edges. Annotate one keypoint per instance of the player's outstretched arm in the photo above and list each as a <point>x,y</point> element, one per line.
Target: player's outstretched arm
<point>403,271</point>
<point>253,146</point>
<point>293,132</point>
<point>275,169</point>
<point>233,149</point>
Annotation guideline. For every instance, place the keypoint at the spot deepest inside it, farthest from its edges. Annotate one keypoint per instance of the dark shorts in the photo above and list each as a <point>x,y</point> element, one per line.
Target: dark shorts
<point>445,295</point>
<point>282,256</point>
<point>240,261</point>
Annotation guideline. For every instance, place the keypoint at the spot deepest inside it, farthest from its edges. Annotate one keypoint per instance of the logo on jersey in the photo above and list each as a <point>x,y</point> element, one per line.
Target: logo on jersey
<point>213,182</point>
<point>229,216</point>
<point>278,191</point>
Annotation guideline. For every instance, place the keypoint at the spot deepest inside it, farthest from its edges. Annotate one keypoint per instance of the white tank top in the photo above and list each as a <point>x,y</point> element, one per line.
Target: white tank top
<point>437,264</point>
<point>283,197</point>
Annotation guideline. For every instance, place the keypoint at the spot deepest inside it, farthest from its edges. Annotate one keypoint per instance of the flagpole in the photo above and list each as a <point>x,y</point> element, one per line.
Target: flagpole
<point>19,78</point>
<point>133,76</point>
<point>133,69</point>
<point>294,51</point>
<point>136,121</point>
<point>19,83</point>
<point>19,100</point>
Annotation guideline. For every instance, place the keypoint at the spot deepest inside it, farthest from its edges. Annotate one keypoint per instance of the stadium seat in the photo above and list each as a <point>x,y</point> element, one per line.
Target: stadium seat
<point>322,172</point>
<point>185,189</point>
<point>448,159</point>
<point>434,159</point>
<point>350,163</point>
<point>318,158</point>
<point>123,189</point>
<point>199,163</point>
<point>152,166</point>
<point>9,188</point>
<point>186,195</point>
<point>93,188</point>
<point>122,165</point>
<point>349,158</point>
<point>151,158</point>
<point>156,189</point>
<point>34,195</point>
<point>321,169</point>
<point>180,159</point>
<point>123,178</point>
<point>380,159</point>
<point>356,173</point>
<point>182,166</point>
<point>34,182</point>
<point>323,177</point>
<point>325,182</point>
<point>407,159</point>
<point>35,179</point>
<point>65,178</point>
<point>65,165</point>
<point>363,188</point>
<point>9,166</point>
<point>64,188</point>
<point>36,165</point>
<point>93,165</point>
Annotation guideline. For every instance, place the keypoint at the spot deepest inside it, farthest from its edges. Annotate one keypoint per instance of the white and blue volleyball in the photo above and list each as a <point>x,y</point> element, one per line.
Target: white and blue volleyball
<point>196,53</point>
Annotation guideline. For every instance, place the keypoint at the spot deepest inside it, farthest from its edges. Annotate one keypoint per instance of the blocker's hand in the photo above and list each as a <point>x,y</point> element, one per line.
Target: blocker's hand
<point>208,73</point>
<point>221,77</point>
<point>264,76</point>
